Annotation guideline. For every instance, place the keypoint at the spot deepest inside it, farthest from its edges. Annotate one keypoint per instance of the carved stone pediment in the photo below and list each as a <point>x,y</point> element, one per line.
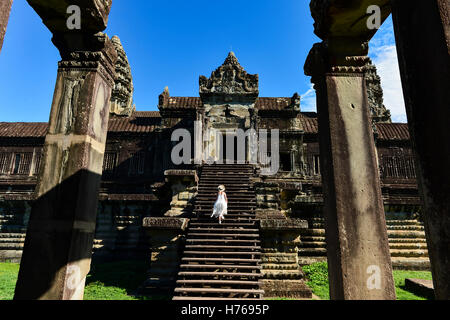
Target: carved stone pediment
<point>230,79</point>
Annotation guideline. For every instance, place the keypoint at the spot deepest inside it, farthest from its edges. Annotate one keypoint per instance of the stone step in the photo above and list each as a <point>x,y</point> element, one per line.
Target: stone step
<point>231,202</point>
<point>407,240</point>
<point>313,244</point>
<point>222,240</point>
<point>238,168</point>
<point>314,232</point>
<point>231,178</point>
<point>237,212</point>
<point>312,239</point>
<point>215,253</point>
<point>13,229</point>
<point>218,266</point>
<point>235,260</point>
<point>405,234</point>
<point>231,208</point>
<point>223,224</point>
<point>229,187</point>
<point>208,191</point>
<point>207,247</point>
<point>234,230</point>
<point>219,282</point>
<point>312,251</point>
<point>233,168</point>
<point>12,235</point>
<point>12,240</point>
<point>16,222</point>
<point>219,274</point>
<point>218,235</point>
<point>237,197</point>
<point>218,290</point>
<point>210,298</point>
<point>401,263</point>
<point>405,227</point>
<point>230,217</point>
<point>390,222</point>
<point>408,253</point>
<point>420,246</point>
<point>11,246</point>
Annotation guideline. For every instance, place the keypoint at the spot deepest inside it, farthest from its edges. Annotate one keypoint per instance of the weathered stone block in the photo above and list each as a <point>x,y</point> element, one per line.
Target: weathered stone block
<point>285,289</point>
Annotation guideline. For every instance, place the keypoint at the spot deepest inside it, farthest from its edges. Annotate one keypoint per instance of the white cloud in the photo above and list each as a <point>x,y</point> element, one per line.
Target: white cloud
<point>308,100</point>
<point>384,55</point>
<point>387,65</point>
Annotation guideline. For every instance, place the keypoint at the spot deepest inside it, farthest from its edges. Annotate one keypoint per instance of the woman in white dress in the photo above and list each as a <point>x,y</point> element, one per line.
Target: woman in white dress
<point>220,207</point>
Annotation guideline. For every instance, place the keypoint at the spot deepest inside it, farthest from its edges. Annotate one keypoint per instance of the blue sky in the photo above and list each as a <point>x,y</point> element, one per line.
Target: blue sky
<point>172,43</point>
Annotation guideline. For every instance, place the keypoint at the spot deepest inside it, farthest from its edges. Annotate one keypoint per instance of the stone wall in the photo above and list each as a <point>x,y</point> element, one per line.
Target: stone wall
<point>119,233</point>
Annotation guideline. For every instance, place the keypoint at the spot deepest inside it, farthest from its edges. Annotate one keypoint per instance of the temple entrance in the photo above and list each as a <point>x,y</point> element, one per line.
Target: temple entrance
<point>229,149</point>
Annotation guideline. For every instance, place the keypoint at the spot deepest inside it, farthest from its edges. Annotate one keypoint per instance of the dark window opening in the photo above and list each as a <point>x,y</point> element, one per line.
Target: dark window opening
<point>285,161</point>
<point>316,164</point>
<point>22,163</point>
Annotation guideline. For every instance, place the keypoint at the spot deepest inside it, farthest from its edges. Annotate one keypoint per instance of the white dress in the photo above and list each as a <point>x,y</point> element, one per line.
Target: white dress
<point>220,207</point>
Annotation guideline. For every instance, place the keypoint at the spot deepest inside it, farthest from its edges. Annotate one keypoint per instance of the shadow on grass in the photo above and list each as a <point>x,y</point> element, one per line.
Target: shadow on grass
<point>117,281</point>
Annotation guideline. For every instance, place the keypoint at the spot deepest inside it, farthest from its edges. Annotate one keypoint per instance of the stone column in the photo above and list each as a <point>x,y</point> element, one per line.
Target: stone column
<point>422,31</point>
<point>5,9</point>
<point>359,262</point>
<point>58,244</point>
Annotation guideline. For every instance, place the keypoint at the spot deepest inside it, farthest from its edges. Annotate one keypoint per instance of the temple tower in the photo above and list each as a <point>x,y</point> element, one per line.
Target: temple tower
<point>228,99</point>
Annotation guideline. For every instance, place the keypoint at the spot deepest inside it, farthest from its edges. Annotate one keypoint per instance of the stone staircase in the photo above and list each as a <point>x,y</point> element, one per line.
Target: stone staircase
<point>222,261</point>
<point>12,236</point>
<point>407,243</point>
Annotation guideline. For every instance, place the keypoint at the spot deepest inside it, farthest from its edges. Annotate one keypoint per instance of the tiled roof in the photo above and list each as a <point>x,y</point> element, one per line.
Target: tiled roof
<point>309,121</point>
<point>386,131</point>
<point>262,103</point>
<point>272,103</point>
<point>149,114</point>
<point>139,121</point>
<point>183,103</point>
<point>23,129</point>
<point>393,131</point>
<point>147,121</point>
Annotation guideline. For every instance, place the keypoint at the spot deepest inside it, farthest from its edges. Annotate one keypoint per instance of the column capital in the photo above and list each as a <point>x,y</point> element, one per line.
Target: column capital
<point>337,56</point>
<point>87,52</point>
<point>337,18</point>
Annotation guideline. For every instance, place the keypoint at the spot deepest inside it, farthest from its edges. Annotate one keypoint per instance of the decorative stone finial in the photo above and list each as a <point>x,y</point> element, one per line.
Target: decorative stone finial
<point>229,79</point>
<point>164,98</point>
<point>378,111</point>
<point>122,93</point>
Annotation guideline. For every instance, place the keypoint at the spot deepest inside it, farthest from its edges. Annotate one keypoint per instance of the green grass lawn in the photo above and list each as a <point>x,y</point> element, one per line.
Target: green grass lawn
<point>8,278</point>
<point>106,281</point>
<point>317,275</point>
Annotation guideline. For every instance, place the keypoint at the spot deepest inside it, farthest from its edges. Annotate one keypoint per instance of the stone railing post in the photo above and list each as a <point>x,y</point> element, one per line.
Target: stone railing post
<point>422,32</point>
<point>280,239</point>
<point>58,245</point>
<point>359,261</point>
<point>166,241</point>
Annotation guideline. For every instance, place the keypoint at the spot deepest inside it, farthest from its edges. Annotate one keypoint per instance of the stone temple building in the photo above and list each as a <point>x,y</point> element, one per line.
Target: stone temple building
<point>148,205</point>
